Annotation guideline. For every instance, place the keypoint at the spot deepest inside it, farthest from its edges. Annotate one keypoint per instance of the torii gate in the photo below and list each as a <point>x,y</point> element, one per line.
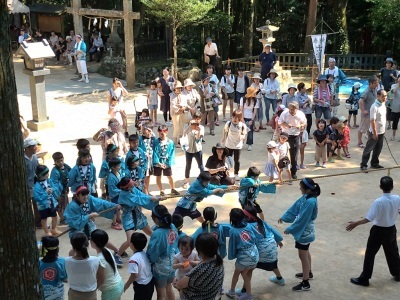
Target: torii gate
<point>127,15</point>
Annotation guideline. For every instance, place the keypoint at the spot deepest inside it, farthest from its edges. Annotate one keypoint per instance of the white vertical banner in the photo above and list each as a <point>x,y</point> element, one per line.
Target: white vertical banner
<point>319,42</point>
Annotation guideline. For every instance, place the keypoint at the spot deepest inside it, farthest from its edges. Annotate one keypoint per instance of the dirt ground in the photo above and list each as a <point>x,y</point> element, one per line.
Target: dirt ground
<point>337,255</point>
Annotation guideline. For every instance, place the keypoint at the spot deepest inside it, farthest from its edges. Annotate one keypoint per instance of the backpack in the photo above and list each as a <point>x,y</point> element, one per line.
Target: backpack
<point>229,127</point>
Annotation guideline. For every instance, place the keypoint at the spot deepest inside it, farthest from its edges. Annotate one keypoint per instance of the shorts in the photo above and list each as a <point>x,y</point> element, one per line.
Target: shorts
<point>162,283</point>
<point>364,124</point>
<point>153,106</point>
<point>113,293</point>
<point>326,111</point>
<point>143,291</point>
<point>255,205</point>
<point>353,112</point>
<point>238,96</point>
<point>302,246</point>
<point>157,171</point>
<point>185,212</point>
<point>231,96</point>
<point>240,267</point>
<point>268,266</point>
<point>47,213</point>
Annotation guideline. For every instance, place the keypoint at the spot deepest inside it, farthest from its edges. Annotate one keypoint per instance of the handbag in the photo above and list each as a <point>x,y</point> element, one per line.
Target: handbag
<point>184,141</point>
<point>283,162</point>
<point>336,101</point>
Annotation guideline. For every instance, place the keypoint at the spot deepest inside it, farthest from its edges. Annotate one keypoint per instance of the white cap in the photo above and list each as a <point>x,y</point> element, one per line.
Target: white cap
<point>267,45</point>
<point>30,142</point>
<point>357,85</point>
<point>342,119</point>
<point>272,144</point>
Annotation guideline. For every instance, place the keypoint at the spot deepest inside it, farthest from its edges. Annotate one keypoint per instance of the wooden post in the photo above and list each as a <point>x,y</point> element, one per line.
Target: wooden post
<point>78,24</point>
<point>129,44</point>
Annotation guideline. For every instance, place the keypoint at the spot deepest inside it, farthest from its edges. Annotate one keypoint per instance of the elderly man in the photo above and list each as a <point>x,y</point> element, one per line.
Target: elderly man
<point>97,46</point>
<point>293,121</point>
<point>210,52</point>
<point>266,60</point>
<point>80,57</point>
<point>338,79</point>
<point>376,132</point>
<point>366,100</point>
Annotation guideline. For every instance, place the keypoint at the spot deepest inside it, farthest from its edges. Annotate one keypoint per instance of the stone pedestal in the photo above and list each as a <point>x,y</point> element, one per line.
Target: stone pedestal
<point>38,99</point>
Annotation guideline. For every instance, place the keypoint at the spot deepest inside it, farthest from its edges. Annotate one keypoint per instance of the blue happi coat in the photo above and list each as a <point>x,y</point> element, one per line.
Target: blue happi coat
<point>142,159</point>
<point>218,232</point>
<point>166,156</point>
<point>61,176</point>
<point>248,191</point>
<point>42,199</point>
<point>105,169</point>
<point>137,175</point>
<point>76,180</point>
<point>242,246</point>
<point>52,275</point>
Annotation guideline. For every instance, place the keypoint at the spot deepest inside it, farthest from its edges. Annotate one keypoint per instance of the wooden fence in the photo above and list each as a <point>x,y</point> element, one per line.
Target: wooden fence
<point>150,51</point>
<point>305,61</point>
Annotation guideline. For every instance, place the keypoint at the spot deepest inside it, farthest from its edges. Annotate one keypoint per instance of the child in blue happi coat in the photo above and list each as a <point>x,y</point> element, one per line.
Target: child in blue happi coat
<point>45,193</point>
<point>146,143</point>
<point>250,186</point>
<point>83,173</point>
<point>134,150</point>
<point>242,246</point>
<point>161,251</point>
<point>134,171</point>
<point>52,269</point>
<point>199,189</point>
<point>177,220</point>
<point>111,152</point>
<point>59,174</point>
<point>112,182</point>
<point>302,215</point>
<point>210,226</point>
<point>132,200</point>
<point>267,241</point>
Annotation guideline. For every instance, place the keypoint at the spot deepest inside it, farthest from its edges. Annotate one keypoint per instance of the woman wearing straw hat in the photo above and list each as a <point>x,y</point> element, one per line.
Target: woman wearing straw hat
<point>178,111</point>
<point>271,90</point>
<point>249,107</point>
<point>192,97</point>
<point>259,96</point>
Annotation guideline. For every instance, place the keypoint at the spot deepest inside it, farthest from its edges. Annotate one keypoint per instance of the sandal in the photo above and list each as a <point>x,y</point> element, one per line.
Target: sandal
<point>256,129</point>
<point>348,155</point>
<point>361,145</point>
<point>262,128</point>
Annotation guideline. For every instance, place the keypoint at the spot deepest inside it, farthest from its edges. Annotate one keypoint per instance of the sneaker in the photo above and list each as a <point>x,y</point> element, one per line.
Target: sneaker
<point>185,185</point>
<point>298,167</point>
<point>81,80</point>
<point>175,192</point>
<point>317,164</point>
<point>237,178</point>
<point>392,138</point>
<point>116,226</point>
<point>303,167</point>
<point>294,176</point>
<point>124,255</point>
<point>216,123</point>
<point>323,165</point>
<point>331,160</point>
<point>224,119</point>
<point>339,157</point>
<point>377,167</point>
<point>162,193</point>
<point>212,132</point>
<point>63,222</point>
<point>389,127</point>
<point>363,168</point>
<point>300,275</point>
<point>249,147</point>
<point>281,281</point>
<point>118,260</point>
<point>230,294</point>
<point>87,80</point>
<point>245,296</point>
<point>240,291</point>
<point>302,287</point>
<point>203,141</point>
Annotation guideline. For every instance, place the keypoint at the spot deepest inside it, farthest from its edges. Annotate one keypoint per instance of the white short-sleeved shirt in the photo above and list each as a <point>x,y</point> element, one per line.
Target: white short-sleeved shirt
<point>294,121</point>
<point>82,274</point>
<point>283,149</point>
<point>234,134</point>
<point>378,113</point>
<point>304,137</point>
<point>111,279</point>
<point>210,50</point>
<point>240,84</point>
<point>225,83</point>
<point>273,157</point>
<point>384,210</point>
<point>248,109</point>
<point>139,264</point>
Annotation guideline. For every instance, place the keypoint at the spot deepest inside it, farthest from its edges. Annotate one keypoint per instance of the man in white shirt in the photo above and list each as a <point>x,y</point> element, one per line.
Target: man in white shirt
<point>376,132</point>
<point>210,52</point>
<point>383,215</point>
<point>227,84</point>
<point>97,46</point>
<point>293,121</point>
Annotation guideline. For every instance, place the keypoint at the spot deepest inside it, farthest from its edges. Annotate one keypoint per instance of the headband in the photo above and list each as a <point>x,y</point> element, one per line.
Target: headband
<point>80,189</point>
<point>249,215</point>
<point>156,213</point>
<point>112,148</point>
<point>310,186</point>
<point>129,185</point>
<point>45,171</point>
<point>45,250</point>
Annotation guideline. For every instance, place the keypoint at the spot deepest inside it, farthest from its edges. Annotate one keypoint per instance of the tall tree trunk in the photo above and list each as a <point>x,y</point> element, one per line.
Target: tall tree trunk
<point>344,34</point>
<point>311,22</point>
<point>19,276</point>
<point>249,29</point>
<point>174,39</point>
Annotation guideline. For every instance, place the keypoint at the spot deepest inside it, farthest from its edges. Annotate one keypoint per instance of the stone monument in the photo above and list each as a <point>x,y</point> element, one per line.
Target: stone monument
<point>34,55</point>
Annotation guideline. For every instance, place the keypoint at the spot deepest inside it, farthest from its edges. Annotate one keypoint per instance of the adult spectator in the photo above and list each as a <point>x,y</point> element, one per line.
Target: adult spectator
<point>117,92</point>
<point>210,52</point>
<point>178,109</point>
<point>217,165</point>
<point>70,50</point>
<point>271,91</point>
<point>206,103</point>
<point>53,41</point>
<point>323,100</point>
<point>293,122</point>
<point>97,47</point>
<point>167,84</point>
<point>366,100</point>
<point>338,78</point>
<point>383,215</point>
<point>266,60</point>
<point>388,75</point>
<point>38,37</point>
<point>290,96</point>
<point>395,107</point>
<point>80,58</point>
<point>192,97</point>
<point>241,84</point>
<point>376,132</point>
<point>60,48</point>
<point>305,104</point>
<point>31,162</point>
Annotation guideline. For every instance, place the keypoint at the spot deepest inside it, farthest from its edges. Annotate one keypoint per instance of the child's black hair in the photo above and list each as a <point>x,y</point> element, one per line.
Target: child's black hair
<point>177,220</point>
<point>40,170</point>
<point>133,137</point>
<point>253,172</point>
<point>139,240</point>
<point>204,176</point>
<point>209,215</point>
<point>113,162</point>
<point>79,242</point>
<point>146,111</point>
<point>312,186</point>
<point>100,239</point>
<point>162,128</point>
<point>322,121</point>
<point>162,214</point>
<point>81,154</point>
<point>131,160</point>
<point>111,148</point>
<point>124,181</point>
<point>236,218</point>
<point>153,83</point>
<point>57,156</point>
<point>386,184</point>
<point>207,245</point>
<point>260,224</point>
<point>334,121</point>
<point>82,144</point>
<point>50,246</point>
<point>186,240</point>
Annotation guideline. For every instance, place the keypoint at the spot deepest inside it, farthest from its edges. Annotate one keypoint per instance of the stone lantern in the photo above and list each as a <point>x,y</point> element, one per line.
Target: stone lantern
<point>34,55</point>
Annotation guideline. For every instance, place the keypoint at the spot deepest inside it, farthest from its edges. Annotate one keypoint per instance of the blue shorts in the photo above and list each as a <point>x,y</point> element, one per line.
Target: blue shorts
<point>240,267</point>
<point>153,106</point>
<point>162,283</point>
<point>326,111</point>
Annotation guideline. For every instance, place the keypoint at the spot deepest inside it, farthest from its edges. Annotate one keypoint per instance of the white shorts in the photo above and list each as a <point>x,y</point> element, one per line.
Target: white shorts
<point>81,65</point>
